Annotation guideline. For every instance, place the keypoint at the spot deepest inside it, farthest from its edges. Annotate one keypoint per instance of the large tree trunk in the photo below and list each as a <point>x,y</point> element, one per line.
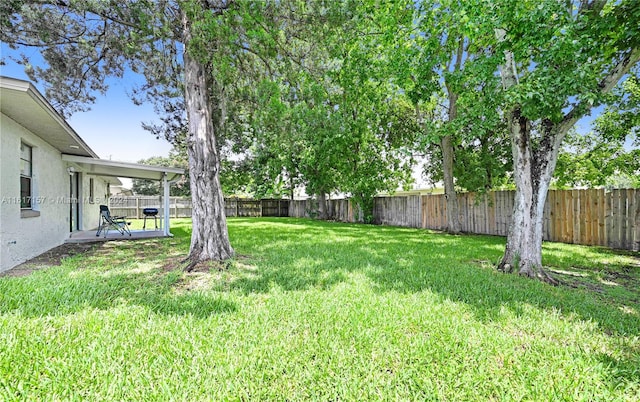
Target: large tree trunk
<point>451,198</point>
<point>209,237</point>
<point>533,170</point>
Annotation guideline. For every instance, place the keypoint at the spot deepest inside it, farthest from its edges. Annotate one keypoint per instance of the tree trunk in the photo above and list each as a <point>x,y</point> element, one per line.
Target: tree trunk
<point>322,206</point>
<point>291,186</point>
<point>533,171</point>
<point>453,219</point>
<point>209,237</point>
<point>446,146</point>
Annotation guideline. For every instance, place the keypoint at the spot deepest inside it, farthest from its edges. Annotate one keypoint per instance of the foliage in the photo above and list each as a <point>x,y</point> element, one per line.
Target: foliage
<point>428,52</point>
<point>588,160</point>
<point>328,124</point>
<point>621,117</point>
<point>567,76</point>
<point>481,164</point>
<point>295,142</point>
<point>321,311</point>
<point>378,129</point>
<point>607,157</point>
<point>561,67</point>
<point>79,53</point>
<point>153,187</point>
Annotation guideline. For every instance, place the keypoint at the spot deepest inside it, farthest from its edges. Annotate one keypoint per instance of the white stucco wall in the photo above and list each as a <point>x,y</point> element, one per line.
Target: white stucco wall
<point>22,238</point>
<point>90,211</point>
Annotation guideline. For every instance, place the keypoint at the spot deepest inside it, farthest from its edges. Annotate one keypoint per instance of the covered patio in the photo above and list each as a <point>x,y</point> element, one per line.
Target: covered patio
<point>109,168</point>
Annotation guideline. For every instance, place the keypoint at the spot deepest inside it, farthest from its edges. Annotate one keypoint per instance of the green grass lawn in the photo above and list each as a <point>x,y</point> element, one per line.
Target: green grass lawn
<point>322,311</point>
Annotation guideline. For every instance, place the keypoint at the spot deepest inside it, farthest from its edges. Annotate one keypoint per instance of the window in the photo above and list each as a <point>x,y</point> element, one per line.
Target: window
<point>26,175</point>
<point>91,193</point>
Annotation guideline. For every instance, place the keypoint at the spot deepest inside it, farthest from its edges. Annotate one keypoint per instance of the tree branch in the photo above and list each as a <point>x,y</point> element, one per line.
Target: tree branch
<point>591,5</point>
<point>604,86</point>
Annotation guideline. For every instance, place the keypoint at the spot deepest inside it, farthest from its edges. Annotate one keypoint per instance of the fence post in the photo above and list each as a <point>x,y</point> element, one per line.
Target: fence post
<point>137,207</point>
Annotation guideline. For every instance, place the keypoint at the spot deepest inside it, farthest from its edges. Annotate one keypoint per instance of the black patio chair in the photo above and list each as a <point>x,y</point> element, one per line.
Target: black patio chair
<point>107,222</point>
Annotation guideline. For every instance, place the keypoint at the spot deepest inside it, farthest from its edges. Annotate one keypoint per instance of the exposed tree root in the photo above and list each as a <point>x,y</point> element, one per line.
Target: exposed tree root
<point>193,264</point>
<point>541,275</point>
<point>529,270</point>
<point>190,264</point>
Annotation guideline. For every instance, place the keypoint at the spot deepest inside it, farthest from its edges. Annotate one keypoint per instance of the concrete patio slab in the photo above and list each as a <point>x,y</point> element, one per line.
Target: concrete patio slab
<point>89,236</point>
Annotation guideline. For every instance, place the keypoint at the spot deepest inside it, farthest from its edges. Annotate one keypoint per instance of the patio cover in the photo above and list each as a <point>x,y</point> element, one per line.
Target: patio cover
<point>109,168</point>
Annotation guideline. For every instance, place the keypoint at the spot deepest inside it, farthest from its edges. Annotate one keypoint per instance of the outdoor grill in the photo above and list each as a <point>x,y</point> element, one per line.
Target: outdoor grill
<point>150,213</point>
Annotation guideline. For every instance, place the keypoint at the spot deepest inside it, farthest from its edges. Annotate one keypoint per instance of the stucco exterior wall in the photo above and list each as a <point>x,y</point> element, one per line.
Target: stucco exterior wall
<point>90,208</point>
<point>22,238</point>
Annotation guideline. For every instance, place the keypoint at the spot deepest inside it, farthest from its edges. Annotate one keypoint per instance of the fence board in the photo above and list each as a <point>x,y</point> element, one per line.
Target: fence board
<point>566,216</point>
<point>636,244</point>
<point>499,209</point>
<point>582,219</point>
<point>602,217</point>
<point>548,211</point>
<point>587,222</point>
<point>556,217</point>
<point>575,218</point>
<point>491,213</point>
<point>613,232</point>
<point>629,218</point>
<point>468,214</point>
<point>594,215</point>
<point>598,226</point>
<point>622,221</point>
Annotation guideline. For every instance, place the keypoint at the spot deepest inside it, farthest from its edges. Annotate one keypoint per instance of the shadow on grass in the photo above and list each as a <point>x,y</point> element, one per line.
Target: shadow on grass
<point>300,254</point>
<point>112,274</point>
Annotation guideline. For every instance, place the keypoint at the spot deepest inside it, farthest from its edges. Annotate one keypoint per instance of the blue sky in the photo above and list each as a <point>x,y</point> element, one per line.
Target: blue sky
<point>112,128</point>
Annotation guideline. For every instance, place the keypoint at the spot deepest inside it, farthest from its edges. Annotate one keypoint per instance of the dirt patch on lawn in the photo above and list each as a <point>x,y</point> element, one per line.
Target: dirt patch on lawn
<point>49,258</point>
<point>174,263</point>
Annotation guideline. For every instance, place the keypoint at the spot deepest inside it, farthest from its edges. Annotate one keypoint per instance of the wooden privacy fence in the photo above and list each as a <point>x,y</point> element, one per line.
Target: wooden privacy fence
<point>132,206</point>
<point>337,210</point>
<point>180,207</point>
<point>589,217</point>
<point>247,207</point>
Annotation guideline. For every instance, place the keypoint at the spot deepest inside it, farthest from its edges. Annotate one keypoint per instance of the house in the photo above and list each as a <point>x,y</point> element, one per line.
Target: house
<point>51,181</point>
